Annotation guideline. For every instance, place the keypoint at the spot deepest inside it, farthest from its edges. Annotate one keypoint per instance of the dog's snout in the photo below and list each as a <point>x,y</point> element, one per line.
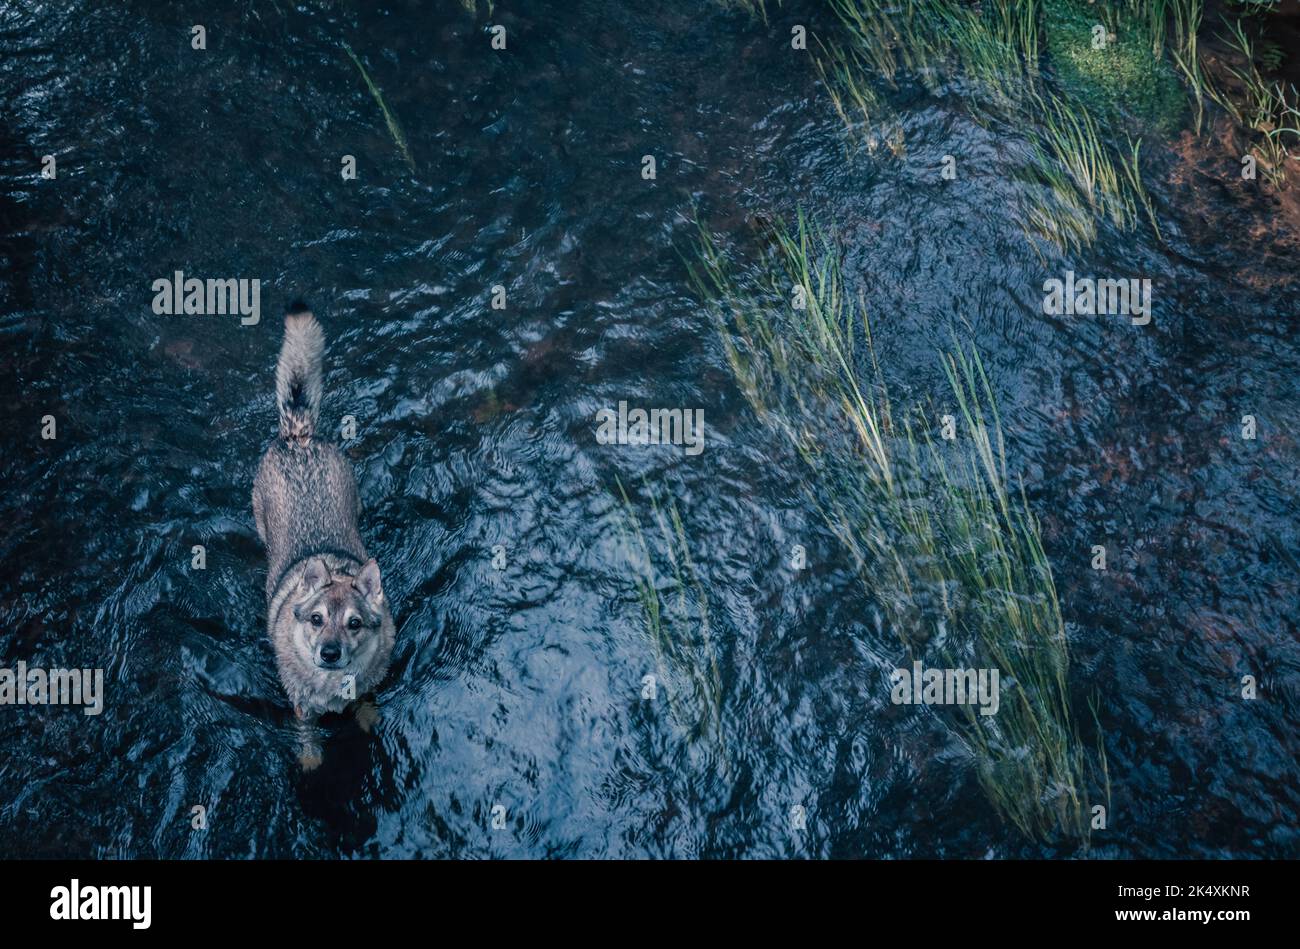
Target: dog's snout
<point>330,653</point>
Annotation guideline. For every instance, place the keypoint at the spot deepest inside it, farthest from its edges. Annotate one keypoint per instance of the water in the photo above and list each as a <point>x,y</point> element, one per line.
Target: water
<point>522,687</point>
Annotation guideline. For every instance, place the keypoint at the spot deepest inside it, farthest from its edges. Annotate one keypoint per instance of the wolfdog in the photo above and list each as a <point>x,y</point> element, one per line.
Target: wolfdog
<point>327,616</point>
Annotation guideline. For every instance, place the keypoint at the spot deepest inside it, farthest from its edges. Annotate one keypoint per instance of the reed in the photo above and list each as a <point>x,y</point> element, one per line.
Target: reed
<point>1153,15</point>
<point>863,111</point>
<point>394,129</point>
<point>1079,178</point>
<point>947,548</point>
<point>995,46</point>
<point>994,49</point>
<point>1073,141</point>
<point>676,613</point>
<point>1187,15</point>
<point>1266,108</point>
<point>1263,106</point>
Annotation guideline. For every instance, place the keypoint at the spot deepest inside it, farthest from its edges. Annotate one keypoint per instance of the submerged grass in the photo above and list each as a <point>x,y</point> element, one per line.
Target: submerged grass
<point>1113,71</point>
<point>394,129</point>
<point>995,46</point>
<point>1085,178</point>
<point>1185,53</point>
<point>948,549</point>
<point>864,112</point>
<point>1269,110</point>
<point>676,611</point>
<point>995,49</point>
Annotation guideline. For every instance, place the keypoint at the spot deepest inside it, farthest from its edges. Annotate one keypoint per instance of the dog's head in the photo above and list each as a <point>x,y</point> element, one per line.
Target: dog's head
<point>337,617</point>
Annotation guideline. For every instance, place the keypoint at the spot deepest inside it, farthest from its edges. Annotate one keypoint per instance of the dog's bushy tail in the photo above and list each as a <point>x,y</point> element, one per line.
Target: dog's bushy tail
<point>298,373</point>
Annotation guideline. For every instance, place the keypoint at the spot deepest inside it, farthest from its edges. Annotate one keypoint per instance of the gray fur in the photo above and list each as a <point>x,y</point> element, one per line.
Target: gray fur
<point>320,578</point>
<point>298,376</point>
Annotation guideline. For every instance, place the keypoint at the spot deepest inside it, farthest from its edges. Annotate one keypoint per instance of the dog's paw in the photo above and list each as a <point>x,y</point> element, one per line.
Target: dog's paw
<point>310,758</point>
<point>367,716</point>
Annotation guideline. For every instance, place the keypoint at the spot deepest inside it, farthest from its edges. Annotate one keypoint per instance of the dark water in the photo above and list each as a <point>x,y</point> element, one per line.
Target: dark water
<point>522,687</point>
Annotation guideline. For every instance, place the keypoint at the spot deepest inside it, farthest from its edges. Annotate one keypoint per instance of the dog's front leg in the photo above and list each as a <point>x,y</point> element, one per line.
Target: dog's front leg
<point>309,753</point>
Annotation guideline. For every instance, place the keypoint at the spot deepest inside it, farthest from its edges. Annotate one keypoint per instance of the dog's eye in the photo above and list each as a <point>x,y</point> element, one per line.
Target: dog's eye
<point>317,619</point>
<point>354,623</point>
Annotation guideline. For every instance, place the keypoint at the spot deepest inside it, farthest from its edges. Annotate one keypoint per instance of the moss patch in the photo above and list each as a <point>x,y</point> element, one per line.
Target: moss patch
<point>1125,82</point>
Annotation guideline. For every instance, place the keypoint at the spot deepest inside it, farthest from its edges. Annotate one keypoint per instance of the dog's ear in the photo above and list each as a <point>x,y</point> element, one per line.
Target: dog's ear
<point>368,585</point>
<point>316,575</point>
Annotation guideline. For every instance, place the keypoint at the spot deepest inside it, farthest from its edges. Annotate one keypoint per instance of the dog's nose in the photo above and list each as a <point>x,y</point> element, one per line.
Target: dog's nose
<point>330,652</point>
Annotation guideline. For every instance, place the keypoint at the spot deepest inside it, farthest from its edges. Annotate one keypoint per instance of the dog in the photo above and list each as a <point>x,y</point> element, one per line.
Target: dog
<point>327,616</point>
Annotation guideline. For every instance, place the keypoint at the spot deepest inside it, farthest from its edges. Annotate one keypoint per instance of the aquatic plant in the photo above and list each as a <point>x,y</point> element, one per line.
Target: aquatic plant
<point>1183,50</point>
<point>394,129</point>
<point>949,551</point>
<point>1266,108</point>
<point>994,49</point>
<point>1083,173</point>
<point>864,112</point>
<point>1108,58</point>
<point>676,611</point>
